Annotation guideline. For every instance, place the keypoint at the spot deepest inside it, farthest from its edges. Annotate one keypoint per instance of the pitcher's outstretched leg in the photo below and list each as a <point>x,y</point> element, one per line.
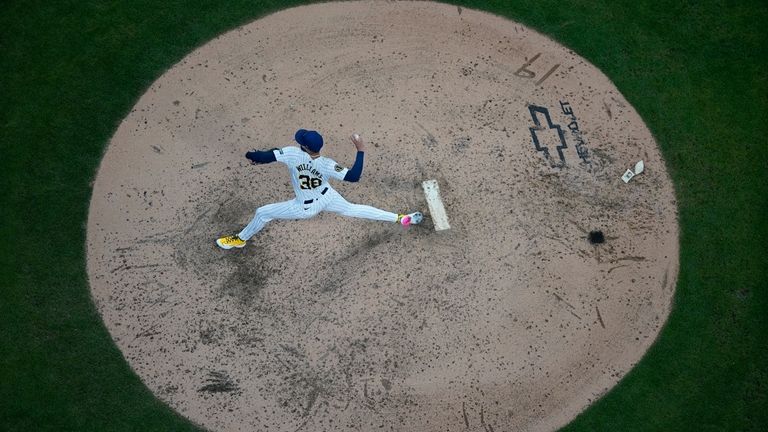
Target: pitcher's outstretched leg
<point>345,208</point>
<point>282,210</point>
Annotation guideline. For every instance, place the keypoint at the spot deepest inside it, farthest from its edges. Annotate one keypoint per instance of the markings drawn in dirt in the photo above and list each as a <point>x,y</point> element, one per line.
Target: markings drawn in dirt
<point>487,426</point>
<point>573,126</point>
<point>524,72</point>
<point>540,129</point>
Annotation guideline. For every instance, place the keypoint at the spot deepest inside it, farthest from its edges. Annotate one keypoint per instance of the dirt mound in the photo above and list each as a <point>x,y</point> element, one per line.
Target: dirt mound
<point>514,319</point>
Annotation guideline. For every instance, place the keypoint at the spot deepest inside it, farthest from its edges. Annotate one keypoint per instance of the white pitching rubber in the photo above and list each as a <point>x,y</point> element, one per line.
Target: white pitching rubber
<point>436,208</point>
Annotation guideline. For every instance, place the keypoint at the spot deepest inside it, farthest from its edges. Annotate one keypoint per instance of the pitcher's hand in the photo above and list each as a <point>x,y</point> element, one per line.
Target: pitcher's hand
<point>358,142</point>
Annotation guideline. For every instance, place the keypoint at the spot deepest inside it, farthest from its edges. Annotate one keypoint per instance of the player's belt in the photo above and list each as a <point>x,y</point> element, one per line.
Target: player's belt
<point>321,193</point>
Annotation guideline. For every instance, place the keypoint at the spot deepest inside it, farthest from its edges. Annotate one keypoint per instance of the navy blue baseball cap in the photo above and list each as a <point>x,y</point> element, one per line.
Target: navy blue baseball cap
<point>310,139</point>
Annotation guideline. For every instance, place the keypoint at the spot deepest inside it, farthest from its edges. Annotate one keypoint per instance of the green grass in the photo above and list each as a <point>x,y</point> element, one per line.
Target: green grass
<point>696,72</point>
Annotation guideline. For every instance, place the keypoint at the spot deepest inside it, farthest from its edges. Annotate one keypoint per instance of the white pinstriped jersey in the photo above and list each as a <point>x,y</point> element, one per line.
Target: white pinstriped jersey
<point>309,176</point>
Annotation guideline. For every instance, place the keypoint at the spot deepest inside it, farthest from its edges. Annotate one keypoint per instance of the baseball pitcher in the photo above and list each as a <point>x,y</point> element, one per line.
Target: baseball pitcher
<point>310,173</point>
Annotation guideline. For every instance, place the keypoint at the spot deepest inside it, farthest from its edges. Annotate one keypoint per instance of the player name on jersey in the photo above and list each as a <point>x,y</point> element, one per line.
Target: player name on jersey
<point>308,167</point>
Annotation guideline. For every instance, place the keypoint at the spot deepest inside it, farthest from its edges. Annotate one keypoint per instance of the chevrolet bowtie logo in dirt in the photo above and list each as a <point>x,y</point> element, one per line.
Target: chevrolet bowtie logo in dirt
<point>536,113</point>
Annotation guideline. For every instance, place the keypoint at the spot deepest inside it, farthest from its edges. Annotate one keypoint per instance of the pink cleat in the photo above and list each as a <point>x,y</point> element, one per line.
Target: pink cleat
<point>410,219</point>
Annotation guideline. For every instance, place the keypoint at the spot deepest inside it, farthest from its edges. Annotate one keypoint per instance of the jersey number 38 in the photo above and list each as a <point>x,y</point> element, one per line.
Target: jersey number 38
<point>308,182</point>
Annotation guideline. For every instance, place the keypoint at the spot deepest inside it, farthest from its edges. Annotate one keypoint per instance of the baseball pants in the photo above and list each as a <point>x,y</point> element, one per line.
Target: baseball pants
<point>295,209</point>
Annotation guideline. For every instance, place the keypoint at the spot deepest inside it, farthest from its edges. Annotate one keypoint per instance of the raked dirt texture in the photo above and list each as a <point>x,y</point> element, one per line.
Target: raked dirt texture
<point>512,319</point>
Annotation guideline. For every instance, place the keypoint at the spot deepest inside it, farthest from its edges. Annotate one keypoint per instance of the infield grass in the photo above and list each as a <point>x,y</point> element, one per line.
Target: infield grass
<point>696,72</point>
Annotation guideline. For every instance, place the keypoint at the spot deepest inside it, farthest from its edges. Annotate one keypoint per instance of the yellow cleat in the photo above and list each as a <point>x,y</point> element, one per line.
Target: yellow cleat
<point>230,242</point>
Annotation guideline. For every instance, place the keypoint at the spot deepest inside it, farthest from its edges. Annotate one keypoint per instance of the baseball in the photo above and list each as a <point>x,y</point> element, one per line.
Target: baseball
<point>356,136</point>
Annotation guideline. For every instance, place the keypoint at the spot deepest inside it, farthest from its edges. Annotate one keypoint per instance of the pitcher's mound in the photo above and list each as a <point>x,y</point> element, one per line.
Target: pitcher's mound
<point>516,318</point>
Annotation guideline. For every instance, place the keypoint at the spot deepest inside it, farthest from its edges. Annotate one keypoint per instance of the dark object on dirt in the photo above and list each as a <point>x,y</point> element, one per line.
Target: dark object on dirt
<point>596,237</point>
